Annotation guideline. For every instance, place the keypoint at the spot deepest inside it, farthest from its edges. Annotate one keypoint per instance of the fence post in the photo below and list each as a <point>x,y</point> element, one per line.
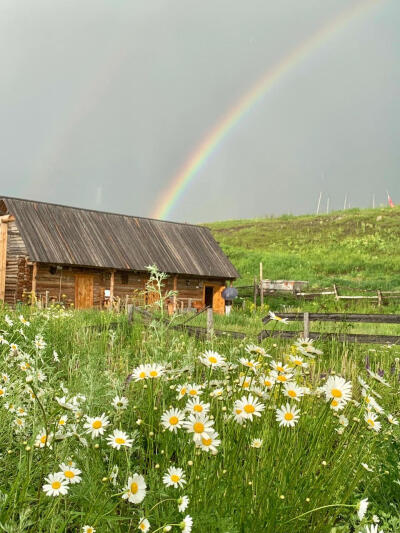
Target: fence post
<point>255,292</point>
<point>130,310</point>
<point>306,326</point>
<point>379,297</point>
<point>335,290</point>
<point>210,322</point>
<point>261,286</point>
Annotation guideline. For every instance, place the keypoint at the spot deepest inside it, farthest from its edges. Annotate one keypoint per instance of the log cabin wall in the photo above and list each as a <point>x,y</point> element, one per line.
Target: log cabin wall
<point>17,269</point>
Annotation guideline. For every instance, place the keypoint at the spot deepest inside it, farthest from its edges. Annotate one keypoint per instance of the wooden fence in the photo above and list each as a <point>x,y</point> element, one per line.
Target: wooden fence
<point>306,318</point>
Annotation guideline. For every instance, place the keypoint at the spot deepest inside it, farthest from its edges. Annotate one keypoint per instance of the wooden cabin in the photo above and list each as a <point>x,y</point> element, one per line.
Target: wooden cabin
<point>85,258</point>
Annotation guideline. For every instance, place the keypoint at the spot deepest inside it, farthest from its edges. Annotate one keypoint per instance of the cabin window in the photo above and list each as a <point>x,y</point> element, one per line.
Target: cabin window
<point>106,293</point>
<point>124,278</point>
<point>208,296</point>
<point>53,270</point>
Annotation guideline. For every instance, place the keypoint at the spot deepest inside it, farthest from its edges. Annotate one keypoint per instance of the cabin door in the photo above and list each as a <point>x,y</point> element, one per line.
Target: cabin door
<point>83,291</point>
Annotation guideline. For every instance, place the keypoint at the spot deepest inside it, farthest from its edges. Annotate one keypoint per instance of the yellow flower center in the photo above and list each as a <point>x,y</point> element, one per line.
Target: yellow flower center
<point>120,440</point>
<point>153,373</point>
<point>336,393</point>
<point>198,427</point>
<point>212,359</point>
<point>297,362</point>
<point>206,442</point>
<point>238,411</point>
<point>142,526</point>
<point>281,378</point>
<point>250,364</point>
<point>280,368</point>
<point>173,420</point>
<point>55,485</point>
<point>97,424</point>
<point>183,391</point>
<point>198,408</point>
<point>134,488</point>
<point>1,392</point>
<point>292,393</point>
<point>334,403</point>
<point>61,422</point>
<point>175,478</point>
<point>246,384</point>
<point>249,408</point>
<point>193,392</point>
<point>371,422</point>
<point>69,474</point>
<point>267,383</point>
<point>142,375</point>
<point>43,439</point>
<point>289,416</point>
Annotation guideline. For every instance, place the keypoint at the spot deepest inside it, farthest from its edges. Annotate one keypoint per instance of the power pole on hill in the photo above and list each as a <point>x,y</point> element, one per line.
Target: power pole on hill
<point>319,202</point>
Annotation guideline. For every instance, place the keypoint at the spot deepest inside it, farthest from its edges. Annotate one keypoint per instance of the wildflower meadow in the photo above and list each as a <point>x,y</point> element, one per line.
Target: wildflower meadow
<point>141,428</point>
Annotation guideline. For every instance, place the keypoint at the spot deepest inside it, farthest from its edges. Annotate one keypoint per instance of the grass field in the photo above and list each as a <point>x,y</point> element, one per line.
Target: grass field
<point>357,248</point>
<point>64,394</point>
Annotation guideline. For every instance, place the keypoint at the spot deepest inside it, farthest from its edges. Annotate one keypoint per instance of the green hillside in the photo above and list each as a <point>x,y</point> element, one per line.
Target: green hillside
<point>358,248</point>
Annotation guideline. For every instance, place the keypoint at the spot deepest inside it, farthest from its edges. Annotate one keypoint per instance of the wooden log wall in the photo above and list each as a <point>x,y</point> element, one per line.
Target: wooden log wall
<point>16,266</point>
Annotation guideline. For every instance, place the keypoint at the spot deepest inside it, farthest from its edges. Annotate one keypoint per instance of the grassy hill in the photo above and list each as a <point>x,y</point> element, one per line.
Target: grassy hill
<point>357,248</point>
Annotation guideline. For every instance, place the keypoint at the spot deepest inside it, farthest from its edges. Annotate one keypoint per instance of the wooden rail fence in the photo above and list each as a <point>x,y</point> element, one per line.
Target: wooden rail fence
<point>306,318</point>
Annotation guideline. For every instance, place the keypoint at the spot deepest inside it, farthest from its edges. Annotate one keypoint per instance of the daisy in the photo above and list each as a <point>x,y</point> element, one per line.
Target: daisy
<point>372,420</point>
<point>3,392</point>
<point>39,342</point>
<point>3,340</point>
<point>362,508</point>
<point>372,529</point>
<point>70,473</point>
<point>293,391</point>
<point>256,443</point>
<point>96,425</point>
<point>287,415</point>
<point>14,347</point>
<point>194,390</point>
<point>135,490</point>
<point>211,443</point>
<point>140,372</point>
<point>195,405</point>
<point>273,316</point>
<point>42,439</point>
<point>183,502</point>
<point>250,363</point>
<point>186,524</point>
<point>63,420</point>
<point>155,371</point>
<point>343,421</point>
<point>296,360</point>
<point>144,525</point>
<point>181,390</point>
<point>267,381</point>
<point>368,468</point>
<point>337,388</point>
<point>245,381</point>
<point>8,320</point>
<point>250,406</point>
<point>56,485</point>
<point>57,360</point>
<point>88,529</point>
<point>280,378</point>
<point>392,420</point>
<point>5,378</point>
<point>279,367</point>
<point>173,419</point>
<point>200,425</point>
<point>305,346</point>
<point>253,349</point>
<point>174,477</point>
<point>119,438</point>
<point>212,359</point>
<point>120,402</point>
<point>19,422</point>
<point>378,378</point>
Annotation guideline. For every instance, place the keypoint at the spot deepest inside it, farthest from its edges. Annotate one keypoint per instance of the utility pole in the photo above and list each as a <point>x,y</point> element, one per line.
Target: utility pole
<point>373,201</point>
<point>319,202</point>
<point>327,206</point>
<point>345,201</point>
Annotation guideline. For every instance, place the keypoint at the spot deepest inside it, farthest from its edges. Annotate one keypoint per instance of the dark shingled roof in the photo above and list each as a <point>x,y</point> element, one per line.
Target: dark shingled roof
<point>64,235</point>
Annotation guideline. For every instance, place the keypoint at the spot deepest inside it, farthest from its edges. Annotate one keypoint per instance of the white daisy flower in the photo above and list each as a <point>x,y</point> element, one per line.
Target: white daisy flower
<point>368,468</point>
<point>267,381</point>
<point>378,378</point>
<point>120,402</point>
<point>256,443</point>
<point>56,485</point>
<point>141,372</point>
<point>173,419</point>
<point>56,359</point>
<point>135,490</point>
<point>372,420</point>
<point>392,420</point>
<point>194,405</point>
<point>212,359</point>
<point>200,425</point>
<point>250,363</point>
<point>194,390</point>
<point>211,443</point>
<point>88,529</point>
<point>8,320</point>
<point>186,524</point>
<point>337,388</point>
<point>298,361</point>
<point>280,367</point>
<point>250,406</point>
<point>3,392</point>
<point>273,316</point>
<point>174,477</point>
<point>24,321</point>
<point>183,502</point>
<point>280,378</point>
<point>42,439</point>
<point>293,391</point>
<point>253,349</point>
<point>70,473</point>
<point>362,508</point>
<point>372,529</point>
<point>144,525</point>
<point>96,425</point>
<point>287,415</point>
<point>155,370</point>
<point>119,438</point>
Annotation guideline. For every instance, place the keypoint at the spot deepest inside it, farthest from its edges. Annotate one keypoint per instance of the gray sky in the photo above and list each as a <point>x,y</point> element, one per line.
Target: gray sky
<point>102,102</point>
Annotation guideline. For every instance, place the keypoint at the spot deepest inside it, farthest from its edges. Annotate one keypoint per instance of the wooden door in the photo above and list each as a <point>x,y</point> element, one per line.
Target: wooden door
<point>83,291</point>
<point>218,301</point>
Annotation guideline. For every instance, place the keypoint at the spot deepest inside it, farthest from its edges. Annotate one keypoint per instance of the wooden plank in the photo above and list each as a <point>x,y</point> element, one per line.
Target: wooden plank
<point>112,285</point>
<point>3,258</point>
<point>342,317</point>
<point>34,282</point>
<point>175,289</point>
<point>306,324</point>
<point>340,337</point>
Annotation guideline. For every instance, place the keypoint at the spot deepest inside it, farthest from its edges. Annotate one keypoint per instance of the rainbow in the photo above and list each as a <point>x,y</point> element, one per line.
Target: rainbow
<point>212,140</point>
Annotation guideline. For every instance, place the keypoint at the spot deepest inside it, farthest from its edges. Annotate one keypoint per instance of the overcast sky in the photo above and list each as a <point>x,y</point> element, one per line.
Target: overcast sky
<point>103,101</point>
